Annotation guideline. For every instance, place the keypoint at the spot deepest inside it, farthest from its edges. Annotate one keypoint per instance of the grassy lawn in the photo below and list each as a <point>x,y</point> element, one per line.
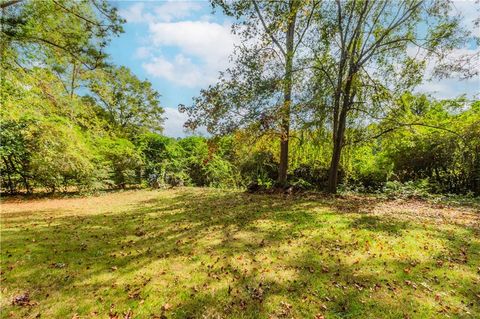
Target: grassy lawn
<point>205,253</point>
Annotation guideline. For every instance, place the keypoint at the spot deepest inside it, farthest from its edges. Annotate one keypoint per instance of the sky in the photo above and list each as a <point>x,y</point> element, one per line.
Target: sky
<point>181,46</point>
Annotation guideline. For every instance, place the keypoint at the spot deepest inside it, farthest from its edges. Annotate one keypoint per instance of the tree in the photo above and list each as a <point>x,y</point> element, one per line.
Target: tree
<point>364,58</point>
<point>263,74</point>
<point>64,29</point>
<point>52,136</point>
<point>15,154</point>
<point>164,160</point>
<point>131,104</point>
<point>441,144</point>
<point>122,159</point>
<point>60,155</point>
<point>64,37</point>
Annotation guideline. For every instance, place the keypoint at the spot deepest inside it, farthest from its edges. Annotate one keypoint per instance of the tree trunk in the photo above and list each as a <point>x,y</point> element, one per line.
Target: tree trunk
<point>337,151</point>
<point>285,113</point>
<point>283,167</point>
<point>9,172</point>
<point>339,133</point>
<point>8,3</point>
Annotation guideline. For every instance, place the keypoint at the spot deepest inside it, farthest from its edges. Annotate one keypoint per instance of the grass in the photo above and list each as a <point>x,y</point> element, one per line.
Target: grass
<point>205,253</point>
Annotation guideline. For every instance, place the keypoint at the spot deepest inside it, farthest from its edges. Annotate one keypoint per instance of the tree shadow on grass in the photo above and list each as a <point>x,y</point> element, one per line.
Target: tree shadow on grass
<point>208,253</point>
<point>376,223</point>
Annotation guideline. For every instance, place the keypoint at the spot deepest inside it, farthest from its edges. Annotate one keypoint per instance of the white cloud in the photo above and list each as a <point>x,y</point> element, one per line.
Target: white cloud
<point>208,43</point>
<point>173,125</point>
<point>175,10</point>
<point>166,12</point>
<point>201,38</point>
<point>470,11</point>
<point>451,87</point>
<point>143,52</point>
<point>174,121</point>
<point>134,13</point>
<point>181,70</point>
<point>192,51</point>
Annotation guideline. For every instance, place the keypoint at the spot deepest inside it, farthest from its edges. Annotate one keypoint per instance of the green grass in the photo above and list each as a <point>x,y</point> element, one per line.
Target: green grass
<point>204,253</point>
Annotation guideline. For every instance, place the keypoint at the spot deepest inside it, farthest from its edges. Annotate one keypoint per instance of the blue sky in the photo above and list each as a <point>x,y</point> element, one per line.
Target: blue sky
<point>180,46</point>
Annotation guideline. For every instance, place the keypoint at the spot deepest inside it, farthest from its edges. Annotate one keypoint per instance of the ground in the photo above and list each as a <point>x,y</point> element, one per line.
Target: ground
<point>205,253</point>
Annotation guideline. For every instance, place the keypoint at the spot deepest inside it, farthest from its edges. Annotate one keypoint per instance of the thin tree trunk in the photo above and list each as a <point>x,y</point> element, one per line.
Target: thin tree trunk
<point>337,151</point>
<point>339,134</point>
<point>9,171</point>
<point>72,83</point>
<point>24,176</point>
<point>285,121</point>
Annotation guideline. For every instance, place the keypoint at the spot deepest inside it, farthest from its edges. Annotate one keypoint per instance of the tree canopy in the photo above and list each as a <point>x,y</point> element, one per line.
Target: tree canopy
<point>319,95</point>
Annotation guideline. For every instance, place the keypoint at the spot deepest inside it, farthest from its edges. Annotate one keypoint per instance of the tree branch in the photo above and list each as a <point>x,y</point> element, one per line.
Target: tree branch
<point>6,4</point>
<point>257,9</point>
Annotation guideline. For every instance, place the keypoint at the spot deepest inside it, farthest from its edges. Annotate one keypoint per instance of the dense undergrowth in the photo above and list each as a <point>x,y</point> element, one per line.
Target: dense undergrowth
<point>412,160</point>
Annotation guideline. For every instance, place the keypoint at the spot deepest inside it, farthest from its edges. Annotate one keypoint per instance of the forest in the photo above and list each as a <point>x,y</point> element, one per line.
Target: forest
<point>314,144</point>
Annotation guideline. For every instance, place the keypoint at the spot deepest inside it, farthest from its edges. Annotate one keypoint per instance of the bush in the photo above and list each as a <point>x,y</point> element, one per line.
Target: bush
<point>411,189</point>
<point>164,161</point>
<point>196,157</point>
<point>259,169</point>
<point>122,159</point>
<point>221,173</point>
<point>60,157</point>
<point>308,177</point>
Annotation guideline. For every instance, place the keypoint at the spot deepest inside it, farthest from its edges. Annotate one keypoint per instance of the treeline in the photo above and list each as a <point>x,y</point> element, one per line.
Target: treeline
<point>71,120</point>
<point>440,155</point>
<point>68,116</point>
<point>336,74</point>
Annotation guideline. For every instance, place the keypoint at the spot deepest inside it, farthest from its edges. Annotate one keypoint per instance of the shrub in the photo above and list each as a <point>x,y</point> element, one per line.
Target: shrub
<point>122,159</point>
<point>260,169</point>
<point>411,189</point>
<point>221,173</point>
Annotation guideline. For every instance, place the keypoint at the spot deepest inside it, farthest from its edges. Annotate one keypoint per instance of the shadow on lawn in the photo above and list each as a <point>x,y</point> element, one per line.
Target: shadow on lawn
<point>379,224</point>
<point>167,229</point>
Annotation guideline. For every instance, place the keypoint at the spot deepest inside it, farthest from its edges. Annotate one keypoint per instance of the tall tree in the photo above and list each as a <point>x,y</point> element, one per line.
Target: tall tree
<point>61,29</point>
<point>364,57</point>
<point>131,104</point>
<point>272,34</point>
<point>62,36</point>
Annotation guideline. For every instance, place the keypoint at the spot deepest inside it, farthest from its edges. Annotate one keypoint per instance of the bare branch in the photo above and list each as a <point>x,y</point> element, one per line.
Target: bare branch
<point>257,9</point>
<point>6,4</point>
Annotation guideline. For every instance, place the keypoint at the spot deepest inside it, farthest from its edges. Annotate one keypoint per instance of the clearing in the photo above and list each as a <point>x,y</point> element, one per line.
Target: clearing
<point>206,253</point>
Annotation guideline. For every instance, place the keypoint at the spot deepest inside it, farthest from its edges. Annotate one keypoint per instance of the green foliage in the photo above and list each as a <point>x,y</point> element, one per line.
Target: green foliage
<point>196,157</point>
<point>259,168</point>
<point>15,154</point>
<point>411,189</point>
<point>131,105</point>
<point>52,135</point>
<point>220,173</point>
<point>60,156</point>
<point>56,136</point>
<point>164,160</point>
<point>443,148</point>
<point>122,159</point>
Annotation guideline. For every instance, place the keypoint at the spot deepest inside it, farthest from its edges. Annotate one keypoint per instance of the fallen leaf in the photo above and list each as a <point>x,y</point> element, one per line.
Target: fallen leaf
<point>166,307</point>
<point>21,300</point>
<point>128,314</point>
